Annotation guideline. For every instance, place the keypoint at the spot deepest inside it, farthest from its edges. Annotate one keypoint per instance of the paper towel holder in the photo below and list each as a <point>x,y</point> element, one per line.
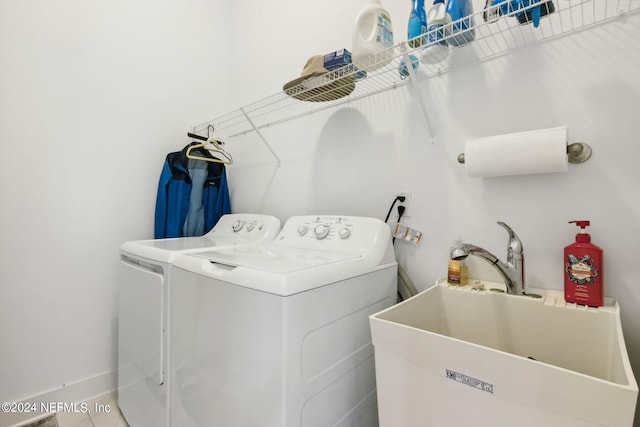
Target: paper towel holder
<point>578,152</point>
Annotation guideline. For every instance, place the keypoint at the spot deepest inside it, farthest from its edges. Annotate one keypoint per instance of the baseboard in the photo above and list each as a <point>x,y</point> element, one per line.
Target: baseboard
<point>67,398</point>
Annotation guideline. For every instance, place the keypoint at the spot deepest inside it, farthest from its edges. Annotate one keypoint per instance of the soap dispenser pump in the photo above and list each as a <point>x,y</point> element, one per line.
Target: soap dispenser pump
<point>583,269</point>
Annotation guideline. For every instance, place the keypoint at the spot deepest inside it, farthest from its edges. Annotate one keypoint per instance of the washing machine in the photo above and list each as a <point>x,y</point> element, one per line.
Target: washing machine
<point>277,334</point>
<point>144,284</point>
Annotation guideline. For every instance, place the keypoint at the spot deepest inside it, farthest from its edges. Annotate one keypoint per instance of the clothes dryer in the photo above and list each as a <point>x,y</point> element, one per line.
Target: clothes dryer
<point>145,282</point>
<point>277,334</point>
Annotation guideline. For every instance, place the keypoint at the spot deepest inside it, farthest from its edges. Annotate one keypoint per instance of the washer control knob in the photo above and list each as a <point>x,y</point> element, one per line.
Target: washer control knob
<point>302,230</point>
<point>237,226</point>
<point>251,226</point>
<point>321,231</point>
<point>344,233</point>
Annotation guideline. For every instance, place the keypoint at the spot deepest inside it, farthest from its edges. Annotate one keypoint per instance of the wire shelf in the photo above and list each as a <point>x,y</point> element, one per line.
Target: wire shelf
<point>388,69</point>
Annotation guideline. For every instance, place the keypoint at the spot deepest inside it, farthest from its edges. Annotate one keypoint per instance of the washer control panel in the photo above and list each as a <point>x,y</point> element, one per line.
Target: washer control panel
<point>340,233</point>
<point>325,227</point>
<point>245,226</point>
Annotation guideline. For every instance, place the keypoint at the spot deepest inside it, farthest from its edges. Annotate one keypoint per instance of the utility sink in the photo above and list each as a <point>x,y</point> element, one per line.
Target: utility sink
<point>453,356</point>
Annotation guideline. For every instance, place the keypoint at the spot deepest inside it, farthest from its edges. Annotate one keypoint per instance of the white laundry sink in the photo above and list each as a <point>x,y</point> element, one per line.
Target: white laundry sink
<point>459,356</point>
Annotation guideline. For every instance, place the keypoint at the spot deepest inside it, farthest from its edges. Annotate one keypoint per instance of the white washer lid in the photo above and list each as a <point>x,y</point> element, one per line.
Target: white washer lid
<point>274,258</point>
<point>230,230</point>
<point>166,250</point>
<point>275,269</point>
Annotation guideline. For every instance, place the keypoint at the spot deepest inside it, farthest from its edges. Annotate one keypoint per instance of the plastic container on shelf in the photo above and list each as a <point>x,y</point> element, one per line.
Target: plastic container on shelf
<point>372,37</point>
<point>436,48</point>
<point>521,9</point>
<point>417,25</point>
<point>463,25</point>
<point>403,70</point>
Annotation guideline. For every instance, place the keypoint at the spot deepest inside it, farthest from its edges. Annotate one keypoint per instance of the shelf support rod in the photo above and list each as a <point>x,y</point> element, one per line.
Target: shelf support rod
<point>413,83</point>
<point>273,153</point>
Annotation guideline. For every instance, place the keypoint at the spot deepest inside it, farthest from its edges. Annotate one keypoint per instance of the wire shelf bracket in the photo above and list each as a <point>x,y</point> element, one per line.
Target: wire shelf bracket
<point>264,140</point>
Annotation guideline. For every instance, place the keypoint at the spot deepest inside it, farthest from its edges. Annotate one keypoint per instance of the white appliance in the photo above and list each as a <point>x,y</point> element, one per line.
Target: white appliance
<point>145,281</point>
<point>277,335</point>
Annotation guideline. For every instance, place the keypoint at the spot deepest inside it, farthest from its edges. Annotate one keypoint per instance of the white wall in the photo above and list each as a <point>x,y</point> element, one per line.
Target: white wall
<point>93,95</point>
<point>122,81</point>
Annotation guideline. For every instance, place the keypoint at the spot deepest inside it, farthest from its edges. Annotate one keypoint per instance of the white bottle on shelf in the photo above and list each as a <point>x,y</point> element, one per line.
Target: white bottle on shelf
<point>372,37</point>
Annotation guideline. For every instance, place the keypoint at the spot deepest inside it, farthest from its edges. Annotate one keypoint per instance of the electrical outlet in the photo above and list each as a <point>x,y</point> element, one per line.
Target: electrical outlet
<point>406,203</point>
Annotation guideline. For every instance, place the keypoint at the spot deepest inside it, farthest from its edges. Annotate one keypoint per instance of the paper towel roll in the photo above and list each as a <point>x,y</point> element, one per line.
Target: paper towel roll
<point>523,153</point>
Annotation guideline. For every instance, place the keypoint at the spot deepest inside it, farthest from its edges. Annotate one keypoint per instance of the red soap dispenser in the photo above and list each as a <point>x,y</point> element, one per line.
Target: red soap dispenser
<point>583,269</point>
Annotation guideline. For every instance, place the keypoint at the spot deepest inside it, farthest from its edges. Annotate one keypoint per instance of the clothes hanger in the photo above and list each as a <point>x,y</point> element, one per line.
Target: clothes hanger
<point>209,147</point>
<point>216,146</point>
<point>212,145</point>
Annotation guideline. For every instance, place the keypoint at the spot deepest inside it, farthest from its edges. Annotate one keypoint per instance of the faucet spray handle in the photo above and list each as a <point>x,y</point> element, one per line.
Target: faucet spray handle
<point>515,244</point>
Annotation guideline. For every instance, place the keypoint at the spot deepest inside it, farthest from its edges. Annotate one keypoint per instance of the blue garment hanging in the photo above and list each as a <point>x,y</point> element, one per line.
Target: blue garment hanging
<point>194,224</point>
<point>191,196</point>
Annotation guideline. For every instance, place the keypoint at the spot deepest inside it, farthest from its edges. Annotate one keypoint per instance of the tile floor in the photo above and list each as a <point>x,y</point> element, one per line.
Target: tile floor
<point>102,412</point>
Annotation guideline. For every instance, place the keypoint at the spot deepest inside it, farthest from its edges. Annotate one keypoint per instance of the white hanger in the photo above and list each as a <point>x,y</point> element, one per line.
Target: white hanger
<point>214,147</point>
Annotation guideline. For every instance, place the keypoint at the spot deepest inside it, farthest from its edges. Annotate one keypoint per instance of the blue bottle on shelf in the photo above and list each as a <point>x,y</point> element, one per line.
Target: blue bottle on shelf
<point>520,9</point>
<point>436,48</point>
<point>462,30</point>
<point>417,23</point>
<point>533,15</point>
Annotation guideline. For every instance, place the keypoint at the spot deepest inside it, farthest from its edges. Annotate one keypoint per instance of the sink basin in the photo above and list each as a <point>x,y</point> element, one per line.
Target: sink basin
<point>454,356</point>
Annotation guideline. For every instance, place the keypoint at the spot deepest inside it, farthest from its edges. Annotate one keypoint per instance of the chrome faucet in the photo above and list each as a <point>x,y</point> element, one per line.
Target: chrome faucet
<point>512,271</point>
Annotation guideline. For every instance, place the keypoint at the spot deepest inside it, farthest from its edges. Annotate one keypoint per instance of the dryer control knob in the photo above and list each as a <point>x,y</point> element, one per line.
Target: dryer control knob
<point>344,233</point>
<point>237,226</point>
<point>321,231</point>
<point>302,230</point>
<point>251,226</point>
